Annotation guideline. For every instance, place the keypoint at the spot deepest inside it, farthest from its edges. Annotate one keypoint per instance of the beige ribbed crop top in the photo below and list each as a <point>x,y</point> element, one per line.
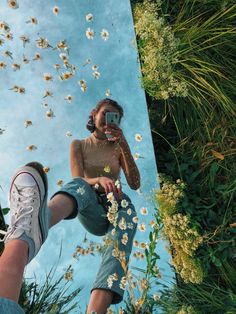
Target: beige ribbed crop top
<point>100,158</point>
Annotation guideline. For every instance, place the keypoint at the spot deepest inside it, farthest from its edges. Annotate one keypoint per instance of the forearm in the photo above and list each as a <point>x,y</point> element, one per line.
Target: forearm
<point>91,181</point>
<point>130,165</point>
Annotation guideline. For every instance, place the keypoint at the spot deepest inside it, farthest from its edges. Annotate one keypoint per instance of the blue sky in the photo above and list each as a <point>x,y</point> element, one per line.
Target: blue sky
<point>119,68</point>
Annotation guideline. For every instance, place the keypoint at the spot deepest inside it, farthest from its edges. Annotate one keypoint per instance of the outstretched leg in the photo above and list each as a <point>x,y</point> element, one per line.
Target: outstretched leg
<point>24,200</point>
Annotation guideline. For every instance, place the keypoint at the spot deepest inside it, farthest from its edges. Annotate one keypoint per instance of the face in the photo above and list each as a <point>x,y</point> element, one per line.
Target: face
<point>100,118</point>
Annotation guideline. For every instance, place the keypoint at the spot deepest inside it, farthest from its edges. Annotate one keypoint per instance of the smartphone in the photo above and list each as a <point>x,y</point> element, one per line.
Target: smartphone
<point>112,117</point>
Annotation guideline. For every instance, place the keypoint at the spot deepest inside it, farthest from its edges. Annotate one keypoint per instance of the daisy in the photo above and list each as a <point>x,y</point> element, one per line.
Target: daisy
<point>124,203</point>
<point>45,105</point>
<point>104,34</point>
<point>60,182</point>
<point>48,93</point>
<point>7,53</point>
<point>89,33</point>
<point>144,211</point>
<point>46,169</point>
<point>32,20</point>
<point>135,243</point>
<point>68,133</point>
<point>136,156</point>
<point>1,42</point>
<point>65,76</point>
<point>123,283</point>
<point>80,190</point>
<point>25,39</point>
<point>13,4</point>
<point>96,186</point>
<point>142,227</point>
<point>89,17</point>
<point>25,60</point>
<point>9,36</point>
<point>68,98</point>
<point>50,114</point>
<point>135,219</point>
<point>107,169</point>
<point>31,147</point>
<point>94,67</point>
<point>55,10</point>
<point>129,211</point>
<point>37,56</point>
<point>108,93</point>
<point>130,225</point>
<point>110,196</point>
<point>4,26</point>
<point>96,74</point>
<point>42,43</point>
<point>138,137</point>
<point>27,123</point>
<point>122,224</point>
<point>47,77</point>
<point>62,45</point>
<point>2,65</point>
<point>87,62</point>
<point>124,239</point>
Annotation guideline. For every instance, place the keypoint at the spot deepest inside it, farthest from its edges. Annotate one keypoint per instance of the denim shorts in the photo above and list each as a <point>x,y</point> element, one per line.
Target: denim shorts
<point>91,209</point>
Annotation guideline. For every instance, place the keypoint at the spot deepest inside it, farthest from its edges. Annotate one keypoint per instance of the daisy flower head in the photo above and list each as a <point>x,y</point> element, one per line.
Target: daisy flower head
<point>47,77</point>
<point>96,74</point>
<point>13,4</point>
<point>108,92</point>
<point>138,137</point>
<point>124,203</point>
<point>68,133</point>
<point>144,211</point>
<point>89,33</point>
<point>89,17</point>
<point>142,227</point>
<point>69,98</point>
<point>110,196</point>
<point>60,182</point>
<point>104,34</point>
<point>55,10</point>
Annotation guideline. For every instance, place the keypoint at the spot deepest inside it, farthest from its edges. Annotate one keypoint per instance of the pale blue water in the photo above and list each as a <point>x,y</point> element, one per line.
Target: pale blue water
<point>118,64</point>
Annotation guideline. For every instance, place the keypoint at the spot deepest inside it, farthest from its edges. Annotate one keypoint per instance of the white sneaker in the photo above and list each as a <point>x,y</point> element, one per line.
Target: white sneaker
<point>30,215</point>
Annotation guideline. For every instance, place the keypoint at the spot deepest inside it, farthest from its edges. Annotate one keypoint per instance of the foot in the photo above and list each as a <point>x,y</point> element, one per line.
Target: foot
<point>30,216</point>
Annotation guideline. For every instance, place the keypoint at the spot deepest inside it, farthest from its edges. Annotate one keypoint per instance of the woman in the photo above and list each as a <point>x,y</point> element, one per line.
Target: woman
<point>85,197</point>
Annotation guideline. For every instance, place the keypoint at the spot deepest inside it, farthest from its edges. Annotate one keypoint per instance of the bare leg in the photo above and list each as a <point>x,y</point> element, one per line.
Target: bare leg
<point>99,301</point>
<point>15,254</point>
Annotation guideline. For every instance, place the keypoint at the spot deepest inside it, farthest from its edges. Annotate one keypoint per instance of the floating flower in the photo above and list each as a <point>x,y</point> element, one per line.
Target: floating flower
<point>46,169</point>
<point>122,224</point>
<point>83,85</point>
<point>25,39</point>
<point>55,10</point>
<point>94,67</point>
<point>104,34</point>
<point>9,36</point>
<point>1,41</point>
<point>31,147</point>
<point>96,74</point>
<point>135,219</point>
<point>142,227</point>
<point>144,211</point>
<point>89,33</point>
<point>47,93</point>
<point>68,98</point>
<point>2,65</point>
<point>87,62</point>
<point>7,53</point>
<point>50,114</point>
<point>135,243</point>
<point>60,182</point>
<point>37,56</point>
<point>47,77</point>
<point>108,93</point>
<point>4,26</point>
<point>107,169</point>
<point>42,43</point>
<point>129,211</point>
<point>27,123</point>
<point>89,17</point>
<point>18,89</point>
<point>68,133</point>
<point>138,137</point>
<point>13,4</point>
<point>110,196</point>
<point>25,60</point>
<point>32,20</point>
<point>65,75</point>
<point>56,66</point>
<point>124,239</point>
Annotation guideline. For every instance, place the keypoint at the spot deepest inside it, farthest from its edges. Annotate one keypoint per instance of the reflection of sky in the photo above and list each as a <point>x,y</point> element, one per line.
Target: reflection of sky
<point>119,69</point>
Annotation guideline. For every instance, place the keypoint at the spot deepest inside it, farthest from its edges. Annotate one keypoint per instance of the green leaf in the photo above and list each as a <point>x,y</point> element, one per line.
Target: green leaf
<point>5,210</point>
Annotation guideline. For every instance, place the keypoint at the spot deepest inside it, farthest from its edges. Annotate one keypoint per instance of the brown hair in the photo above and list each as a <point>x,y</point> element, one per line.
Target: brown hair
<point>90,124</point>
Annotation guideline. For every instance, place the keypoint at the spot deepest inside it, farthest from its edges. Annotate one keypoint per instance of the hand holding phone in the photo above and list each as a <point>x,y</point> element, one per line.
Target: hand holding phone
<point>112,118</point>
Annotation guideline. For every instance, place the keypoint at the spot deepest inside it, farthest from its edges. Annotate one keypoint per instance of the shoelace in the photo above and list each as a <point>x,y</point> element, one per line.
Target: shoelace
<point>24,202</point>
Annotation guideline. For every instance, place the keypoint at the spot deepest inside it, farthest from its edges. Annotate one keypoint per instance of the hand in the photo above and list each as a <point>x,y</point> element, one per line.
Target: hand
<point>115,131</point>
<point>109,186</point>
